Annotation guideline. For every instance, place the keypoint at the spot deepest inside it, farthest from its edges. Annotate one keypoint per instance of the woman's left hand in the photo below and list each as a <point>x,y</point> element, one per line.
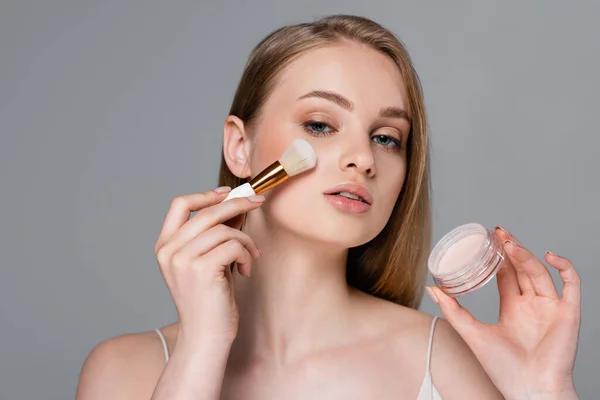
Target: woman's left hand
<point>530,352</point>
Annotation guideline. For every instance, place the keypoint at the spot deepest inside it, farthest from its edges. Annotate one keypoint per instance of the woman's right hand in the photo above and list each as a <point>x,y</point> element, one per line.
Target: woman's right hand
<point>195,254</point>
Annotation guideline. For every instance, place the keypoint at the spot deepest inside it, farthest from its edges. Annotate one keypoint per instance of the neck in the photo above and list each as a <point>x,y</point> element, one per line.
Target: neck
<point>296,301</point>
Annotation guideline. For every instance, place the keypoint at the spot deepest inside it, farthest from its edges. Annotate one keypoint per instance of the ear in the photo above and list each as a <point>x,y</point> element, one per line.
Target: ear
<point>236,147</point>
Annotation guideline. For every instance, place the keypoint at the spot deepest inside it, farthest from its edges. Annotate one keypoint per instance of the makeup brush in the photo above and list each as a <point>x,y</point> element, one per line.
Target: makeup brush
<point>297,158</point>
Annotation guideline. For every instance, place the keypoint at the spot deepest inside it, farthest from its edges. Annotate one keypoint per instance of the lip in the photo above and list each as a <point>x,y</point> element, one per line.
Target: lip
<point>357,190</point>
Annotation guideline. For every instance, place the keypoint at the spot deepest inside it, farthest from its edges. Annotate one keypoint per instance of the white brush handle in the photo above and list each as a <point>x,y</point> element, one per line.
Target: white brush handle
<point>244,190</point>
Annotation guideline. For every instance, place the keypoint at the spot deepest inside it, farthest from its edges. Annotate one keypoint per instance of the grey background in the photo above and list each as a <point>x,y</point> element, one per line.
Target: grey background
<point>109,109</point>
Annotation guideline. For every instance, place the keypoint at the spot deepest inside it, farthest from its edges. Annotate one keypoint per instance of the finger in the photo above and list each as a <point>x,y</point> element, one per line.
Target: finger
<point>508,285</point>
<point>206,241</point>
<point>571,282</point>
<point>506,277</point>
<point>214,215</point>
<point>182,206</point>
<point>525,285</point>
<point>504,235</point>
<point>461,320</point>
<point>229,276</point>
<point>526,263</point>
<point>225,254</point>
<point>508,282</point>
<point>236,222</point>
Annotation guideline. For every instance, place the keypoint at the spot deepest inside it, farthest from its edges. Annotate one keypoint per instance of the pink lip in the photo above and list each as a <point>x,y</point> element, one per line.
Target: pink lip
<point>346,204</point>
<point>357,190</point>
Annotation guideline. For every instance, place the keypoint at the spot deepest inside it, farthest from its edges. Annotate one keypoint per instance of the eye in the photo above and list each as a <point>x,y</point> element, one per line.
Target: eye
<point>387,141</point>
<point>316,128</point>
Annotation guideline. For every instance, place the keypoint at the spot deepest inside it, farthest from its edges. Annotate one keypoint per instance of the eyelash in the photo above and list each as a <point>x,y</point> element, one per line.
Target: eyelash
<point>307,127</point>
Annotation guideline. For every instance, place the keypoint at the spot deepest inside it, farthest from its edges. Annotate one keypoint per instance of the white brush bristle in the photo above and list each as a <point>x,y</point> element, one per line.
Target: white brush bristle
<point>298,157</point>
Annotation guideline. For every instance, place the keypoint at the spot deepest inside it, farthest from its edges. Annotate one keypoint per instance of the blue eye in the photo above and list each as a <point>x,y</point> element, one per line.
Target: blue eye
<point>387,141</point>
<point>317,128</point>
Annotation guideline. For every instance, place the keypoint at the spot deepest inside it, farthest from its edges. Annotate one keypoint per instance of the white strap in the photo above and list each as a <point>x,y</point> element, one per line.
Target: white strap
<point>164,343</point>
<point>429,346</point>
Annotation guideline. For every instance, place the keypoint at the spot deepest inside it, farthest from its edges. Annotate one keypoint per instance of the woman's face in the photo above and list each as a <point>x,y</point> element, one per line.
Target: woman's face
<point>349,102</point>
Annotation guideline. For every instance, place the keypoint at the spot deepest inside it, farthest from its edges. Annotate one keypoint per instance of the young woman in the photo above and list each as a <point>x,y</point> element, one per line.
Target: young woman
<point>323,302</point>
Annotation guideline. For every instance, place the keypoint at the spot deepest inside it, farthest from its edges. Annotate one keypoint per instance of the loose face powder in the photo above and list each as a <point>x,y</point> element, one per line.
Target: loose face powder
<point>460,253</point>
<point>465,259</point>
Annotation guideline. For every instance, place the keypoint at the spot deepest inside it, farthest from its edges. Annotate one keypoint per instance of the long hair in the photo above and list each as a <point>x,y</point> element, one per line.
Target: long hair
<point>392,266</point>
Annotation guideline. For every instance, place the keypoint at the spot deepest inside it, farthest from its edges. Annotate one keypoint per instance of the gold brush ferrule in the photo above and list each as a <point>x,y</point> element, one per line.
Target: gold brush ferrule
<point>271,176</point>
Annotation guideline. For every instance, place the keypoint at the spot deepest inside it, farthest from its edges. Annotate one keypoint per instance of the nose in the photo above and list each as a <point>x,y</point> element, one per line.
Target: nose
<point>358,155</point>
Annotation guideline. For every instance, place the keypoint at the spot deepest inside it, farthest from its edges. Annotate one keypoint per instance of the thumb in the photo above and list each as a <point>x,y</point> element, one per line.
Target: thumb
<point>461,320</point>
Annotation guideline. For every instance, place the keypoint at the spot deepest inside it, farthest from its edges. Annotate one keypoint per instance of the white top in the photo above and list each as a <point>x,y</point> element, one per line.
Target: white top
<point>427,392</point>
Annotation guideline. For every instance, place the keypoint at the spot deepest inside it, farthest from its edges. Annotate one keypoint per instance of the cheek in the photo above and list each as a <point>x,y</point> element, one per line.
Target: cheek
<point>392,179</point>
<point>267,150</point>
<point>273,137</point>
<point>292,204</point>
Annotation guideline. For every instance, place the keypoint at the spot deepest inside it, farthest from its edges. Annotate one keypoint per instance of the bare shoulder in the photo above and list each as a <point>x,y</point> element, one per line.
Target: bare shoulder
<point>396,319</point>
<point>123,367</point>
<point>455,371</point>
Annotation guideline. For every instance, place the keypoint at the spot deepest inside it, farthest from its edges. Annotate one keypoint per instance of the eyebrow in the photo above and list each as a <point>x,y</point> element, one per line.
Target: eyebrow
<point>386,112</point>
<point>394,112</point>
<point>331,96</point>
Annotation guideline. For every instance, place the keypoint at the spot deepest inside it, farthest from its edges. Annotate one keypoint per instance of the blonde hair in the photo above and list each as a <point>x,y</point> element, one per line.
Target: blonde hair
<point>392,266</point>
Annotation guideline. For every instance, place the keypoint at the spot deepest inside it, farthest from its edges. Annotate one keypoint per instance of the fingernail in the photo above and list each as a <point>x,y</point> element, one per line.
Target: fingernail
<point>551,253</point>
<point>503,230</point>
<point>431,294</point>
<point>515,240</point>
<point>513,243</point>
<point>259,198</point>
<point>223,189</point>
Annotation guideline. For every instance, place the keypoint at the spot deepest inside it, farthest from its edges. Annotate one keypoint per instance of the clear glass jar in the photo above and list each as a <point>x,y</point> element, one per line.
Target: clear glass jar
<point>465,259</point>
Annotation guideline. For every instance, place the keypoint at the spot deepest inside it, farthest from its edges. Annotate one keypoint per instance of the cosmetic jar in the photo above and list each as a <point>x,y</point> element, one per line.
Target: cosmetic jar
<point>465,259</point>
